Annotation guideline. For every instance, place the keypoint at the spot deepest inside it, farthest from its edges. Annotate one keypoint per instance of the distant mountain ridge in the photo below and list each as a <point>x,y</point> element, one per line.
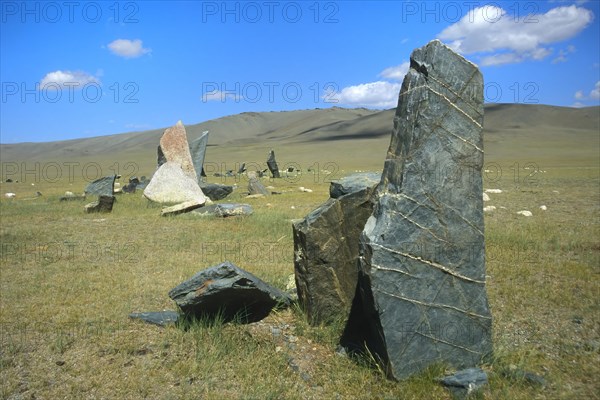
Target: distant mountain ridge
<point>306,126</point>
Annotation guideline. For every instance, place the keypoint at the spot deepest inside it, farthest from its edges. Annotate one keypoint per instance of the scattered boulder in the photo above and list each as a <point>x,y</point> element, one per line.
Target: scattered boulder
<point>170,184</point>
<point>305,190</point>
<point>104,186</point>
<point>489,208</point>
<point>10,195</point>
<point>464,383</point>
<point>353,183</point>
<point>198,151</point>
<point>216,191</point>
<point>228,292</point>
<point>181,208</point>
<point>543,208</point>
<point>421,295</point>
<point>255,186</point>
<point>485,197</point>
<point>103,204</point>
<point>326,255</point>
<point>174,147</point>
<point>8,180</point>
<point>495,191</point>
<point>160,318</point>
<point>272,164</point>
<point>242,168</point>
<point>525,213</point>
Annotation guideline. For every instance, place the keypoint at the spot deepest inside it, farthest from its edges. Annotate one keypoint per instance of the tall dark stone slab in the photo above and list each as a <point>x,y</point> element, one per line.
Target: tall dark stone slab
<point>272,164</point>
<point>421,295</point>
<point>326,255</point>
<point>198,151</point>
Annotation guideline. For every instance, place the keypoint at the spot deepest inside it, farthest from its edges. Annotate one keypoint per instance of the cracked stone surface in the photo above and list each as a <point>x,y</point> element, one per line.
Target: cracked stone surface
<point>421,294</point>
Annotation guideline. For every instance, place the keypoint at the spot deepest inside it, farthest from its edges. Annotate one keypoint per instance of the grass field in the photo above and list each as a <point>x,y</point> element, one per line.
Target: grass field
<point>68,281</point>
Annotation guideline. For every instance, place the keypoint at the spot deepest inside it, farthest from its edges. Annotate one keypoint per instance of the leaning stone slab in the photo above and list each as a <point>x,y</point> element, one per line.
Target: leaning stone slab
<point>421,295</point>
<point>227,291</point>
<point>103,204</point>
<point>198,151</point>
<point>171,185</point>
<point>180,208</point>
<point>326,255</point>
<point>104,186</point>
<point>353,183</point>
<point>174,147</point>
<point>160,318</point>
<point>216,191</point>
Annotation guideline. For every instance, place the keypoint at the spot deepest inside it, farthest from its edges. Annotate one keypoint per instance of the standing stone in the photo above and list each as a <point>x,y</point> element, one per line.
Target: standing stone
<point>175,148</point>
<point>104,186</point>
<point>255,186</point>
<point>198,151</point>
<point>171,185</point>
<point>272,164</point>
<point>104,204</point>
<point>421,295</point>
<point>326,255</point>
<point>161,157</point>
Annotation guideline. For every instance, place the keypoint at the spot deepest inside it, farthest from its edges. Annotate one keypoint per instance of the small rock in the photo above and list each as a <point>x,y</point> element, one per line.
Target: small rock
<point>465,382</point>
<point>489,208</point>
<point>160,318</point>
<point>486,197</point>
<point>180,208</point>
<point>543,208</point>
<point>525,213</point>
<point>493,191</point>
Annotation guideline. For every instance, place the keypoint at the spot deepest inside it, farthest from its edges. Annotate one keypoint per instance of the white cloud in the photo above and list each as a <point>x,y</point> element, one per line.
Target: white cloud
<point>593,95</point>
<point>396,73</point>
<point>578,104</point>
<point>595,92</point>
<point>562,54</point>
<point>61,79</point>
<point>380,94</point>
<point>128,48</point>
<point>218,95</point>
<point>490,29</point>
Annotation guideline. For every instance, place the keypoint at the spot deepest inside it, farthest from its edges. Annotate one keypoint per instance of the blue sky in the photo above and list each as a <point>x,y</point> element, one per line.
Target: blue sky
<point>81,69</point>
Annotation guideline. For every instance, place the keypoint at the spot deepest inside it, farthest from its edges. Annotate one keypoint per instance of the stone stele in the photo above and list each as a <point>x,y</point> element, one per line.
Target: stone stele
<point>421,296</point>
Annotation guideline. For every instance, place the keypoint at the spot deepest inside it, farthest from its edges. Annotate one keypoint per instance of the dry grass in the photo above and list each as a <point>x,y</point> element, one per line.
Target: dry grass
<point>68,281</point>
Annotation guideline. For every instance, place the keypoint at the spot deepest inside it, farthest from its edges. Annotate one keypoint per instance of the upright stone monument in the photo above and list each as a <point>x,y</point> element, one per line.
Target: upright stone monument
<point>198,151</point>
<point>421,295</point>
<point>174,147</point>
<point>272,164</point>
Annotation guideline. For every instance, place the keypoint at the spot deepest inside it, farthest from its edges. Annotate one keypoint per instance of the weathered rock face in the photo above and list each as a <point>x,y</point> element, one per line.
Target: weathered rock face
<point>104,186</point>
<point>198,151</point>
<point>175,148</point>
<point>171,185</point>
<point>326,255</point>
<point>353,183</point>
<point>216,191</point>
<point>272,164</point>
<point>229,291</point>
<point>421,295</point>
<point>104,204</point>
